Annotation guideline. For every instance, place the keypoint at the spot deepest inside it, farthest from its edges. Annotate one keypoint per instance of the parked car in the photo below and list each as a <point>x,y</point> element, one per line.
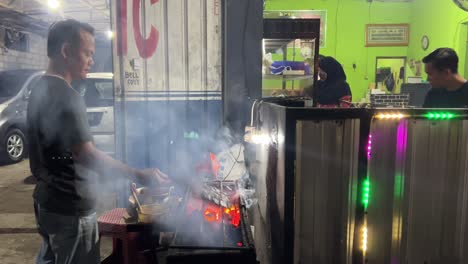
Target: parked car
<point>15,87</point>
<point>98,92</point>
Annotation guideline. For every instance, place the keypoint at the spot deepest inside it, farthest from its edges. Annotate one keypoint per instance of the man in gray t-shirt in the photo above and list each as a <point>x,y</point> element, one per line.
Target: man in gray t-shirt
<point>55,124</point>
<point>62,153</point>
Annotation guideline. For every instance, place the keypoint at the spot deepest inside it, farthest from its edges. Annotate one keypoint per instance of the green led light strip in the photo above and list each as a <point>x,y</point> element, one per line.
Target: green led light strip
<point>365,193</point>
<point>439,115</point>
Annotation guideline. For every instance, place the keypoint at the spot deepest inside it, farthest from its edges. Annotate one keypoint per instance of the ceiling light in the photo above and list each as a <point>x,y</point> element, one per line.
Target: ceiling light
<point>53,4</point>
<point>110,34</point>
<point>262,139</point>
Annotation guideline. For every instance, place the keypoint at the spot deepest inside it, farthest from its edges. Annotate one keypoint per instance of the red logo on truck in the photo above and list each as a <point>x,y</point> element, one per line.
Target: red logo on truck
<point>146,46</point>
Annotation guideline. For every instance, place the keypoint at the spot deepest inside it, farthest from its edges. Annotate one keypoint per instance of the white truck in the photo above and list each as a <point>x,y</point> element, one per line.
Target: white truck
<point>182,69</point>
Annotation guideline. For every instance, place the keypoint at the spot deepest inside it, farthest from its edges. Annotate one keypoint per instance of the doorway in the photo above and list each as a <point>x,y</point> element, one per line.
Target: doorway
<point>390,73</point>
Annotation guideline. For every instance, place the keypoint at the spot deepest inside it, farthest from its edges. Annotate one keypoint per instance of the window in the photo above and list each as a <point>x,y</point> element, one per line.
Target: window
<point>96,92</point>
<point>16,40</point>
<point>11,82</point>
<point>105,89</point>
<point>32,84</point>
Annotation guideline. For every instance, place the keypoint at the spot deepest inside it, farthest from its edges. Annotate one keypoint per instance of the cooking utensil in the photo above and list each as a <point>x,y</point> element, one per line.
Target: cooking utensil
<point>171,190</point>
<point>152,195</point>
<point>150,213</point>
<point>135,196</point>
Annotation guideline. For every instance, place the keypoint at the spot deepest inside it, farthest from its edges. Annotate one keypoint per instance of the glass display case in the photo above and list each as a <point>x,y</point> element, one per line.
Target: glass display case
<point>288,66</point>
<point>290,49</point>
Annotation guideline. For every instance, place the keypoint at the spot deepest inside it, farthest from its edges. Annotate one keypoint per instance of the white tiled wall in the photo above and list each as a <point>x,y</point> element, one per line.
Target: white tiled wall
<point>36,58</point>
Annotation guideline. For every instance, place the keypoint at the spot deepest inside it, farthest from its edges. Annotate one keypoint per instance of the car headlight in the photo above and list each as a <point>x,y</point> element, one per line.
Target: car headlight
<point>2,107</point>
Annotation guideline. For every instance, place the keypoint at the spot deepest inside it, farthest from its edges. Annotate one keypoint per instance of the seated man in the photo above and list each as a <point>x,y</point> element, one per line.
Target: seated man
<point>449,89</point>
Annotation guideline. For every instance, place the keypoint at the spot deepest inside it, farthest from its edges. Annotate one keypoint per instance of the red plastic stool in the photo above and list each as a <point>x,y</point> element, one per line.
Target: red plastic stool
<point>124,237</point>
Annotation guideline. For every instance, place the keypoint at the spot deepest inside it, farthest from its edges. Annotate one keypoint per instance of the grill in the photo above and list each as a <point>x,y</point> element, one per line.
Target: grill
<point>213,228</point>
<point>209,225</point>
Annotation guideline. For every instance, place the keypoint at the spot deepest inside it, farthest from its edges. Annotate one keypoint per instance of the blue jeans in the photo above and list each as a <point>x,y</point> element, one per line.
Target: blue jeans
<point>67,239</point>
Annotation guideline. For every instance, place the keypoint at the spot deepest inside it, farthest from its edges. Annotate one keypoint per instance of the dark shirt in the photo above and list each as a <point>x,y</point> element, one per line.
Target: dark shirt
<point>442,98</point>
<point>56,122</point>
<point>330,93</point>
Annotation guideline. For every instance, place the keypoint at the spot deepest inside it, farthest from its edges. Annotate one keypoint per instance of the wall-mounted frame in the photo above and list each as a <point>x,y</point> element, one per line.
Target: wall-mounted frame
<point>378,35</point>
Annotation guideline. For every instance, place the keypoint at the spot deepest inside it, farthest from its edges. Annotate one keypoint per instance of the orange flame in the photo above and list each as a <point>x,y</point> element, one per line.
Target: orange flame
<point>214,164</point>
<point>212,214</point>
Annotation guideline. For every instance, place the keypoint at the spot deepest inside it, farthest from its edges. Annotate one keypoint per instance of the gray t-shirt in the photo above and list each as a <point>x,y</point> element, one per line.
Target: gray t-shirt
<point>56,122</point>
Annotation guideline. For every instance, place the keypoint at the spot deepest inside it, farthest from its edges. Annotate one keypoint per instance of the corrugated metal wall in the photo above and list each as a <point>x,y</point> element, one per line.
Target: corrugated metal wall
<point>419,192</point>
<point>325,190</point>
<point>168,68</point>
<point>404,202</point>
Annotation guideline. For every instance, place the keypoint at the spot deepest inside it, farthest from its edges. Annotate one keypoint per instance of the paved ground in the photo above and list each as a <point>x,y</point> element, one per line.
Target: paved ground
<point>18,234</point>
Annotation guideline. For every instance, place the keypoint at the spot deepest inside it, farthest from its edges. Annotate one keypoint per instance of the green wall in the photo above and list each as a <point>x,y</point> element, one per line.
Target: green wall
<point>346,20</point>
<point>442,21</point>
